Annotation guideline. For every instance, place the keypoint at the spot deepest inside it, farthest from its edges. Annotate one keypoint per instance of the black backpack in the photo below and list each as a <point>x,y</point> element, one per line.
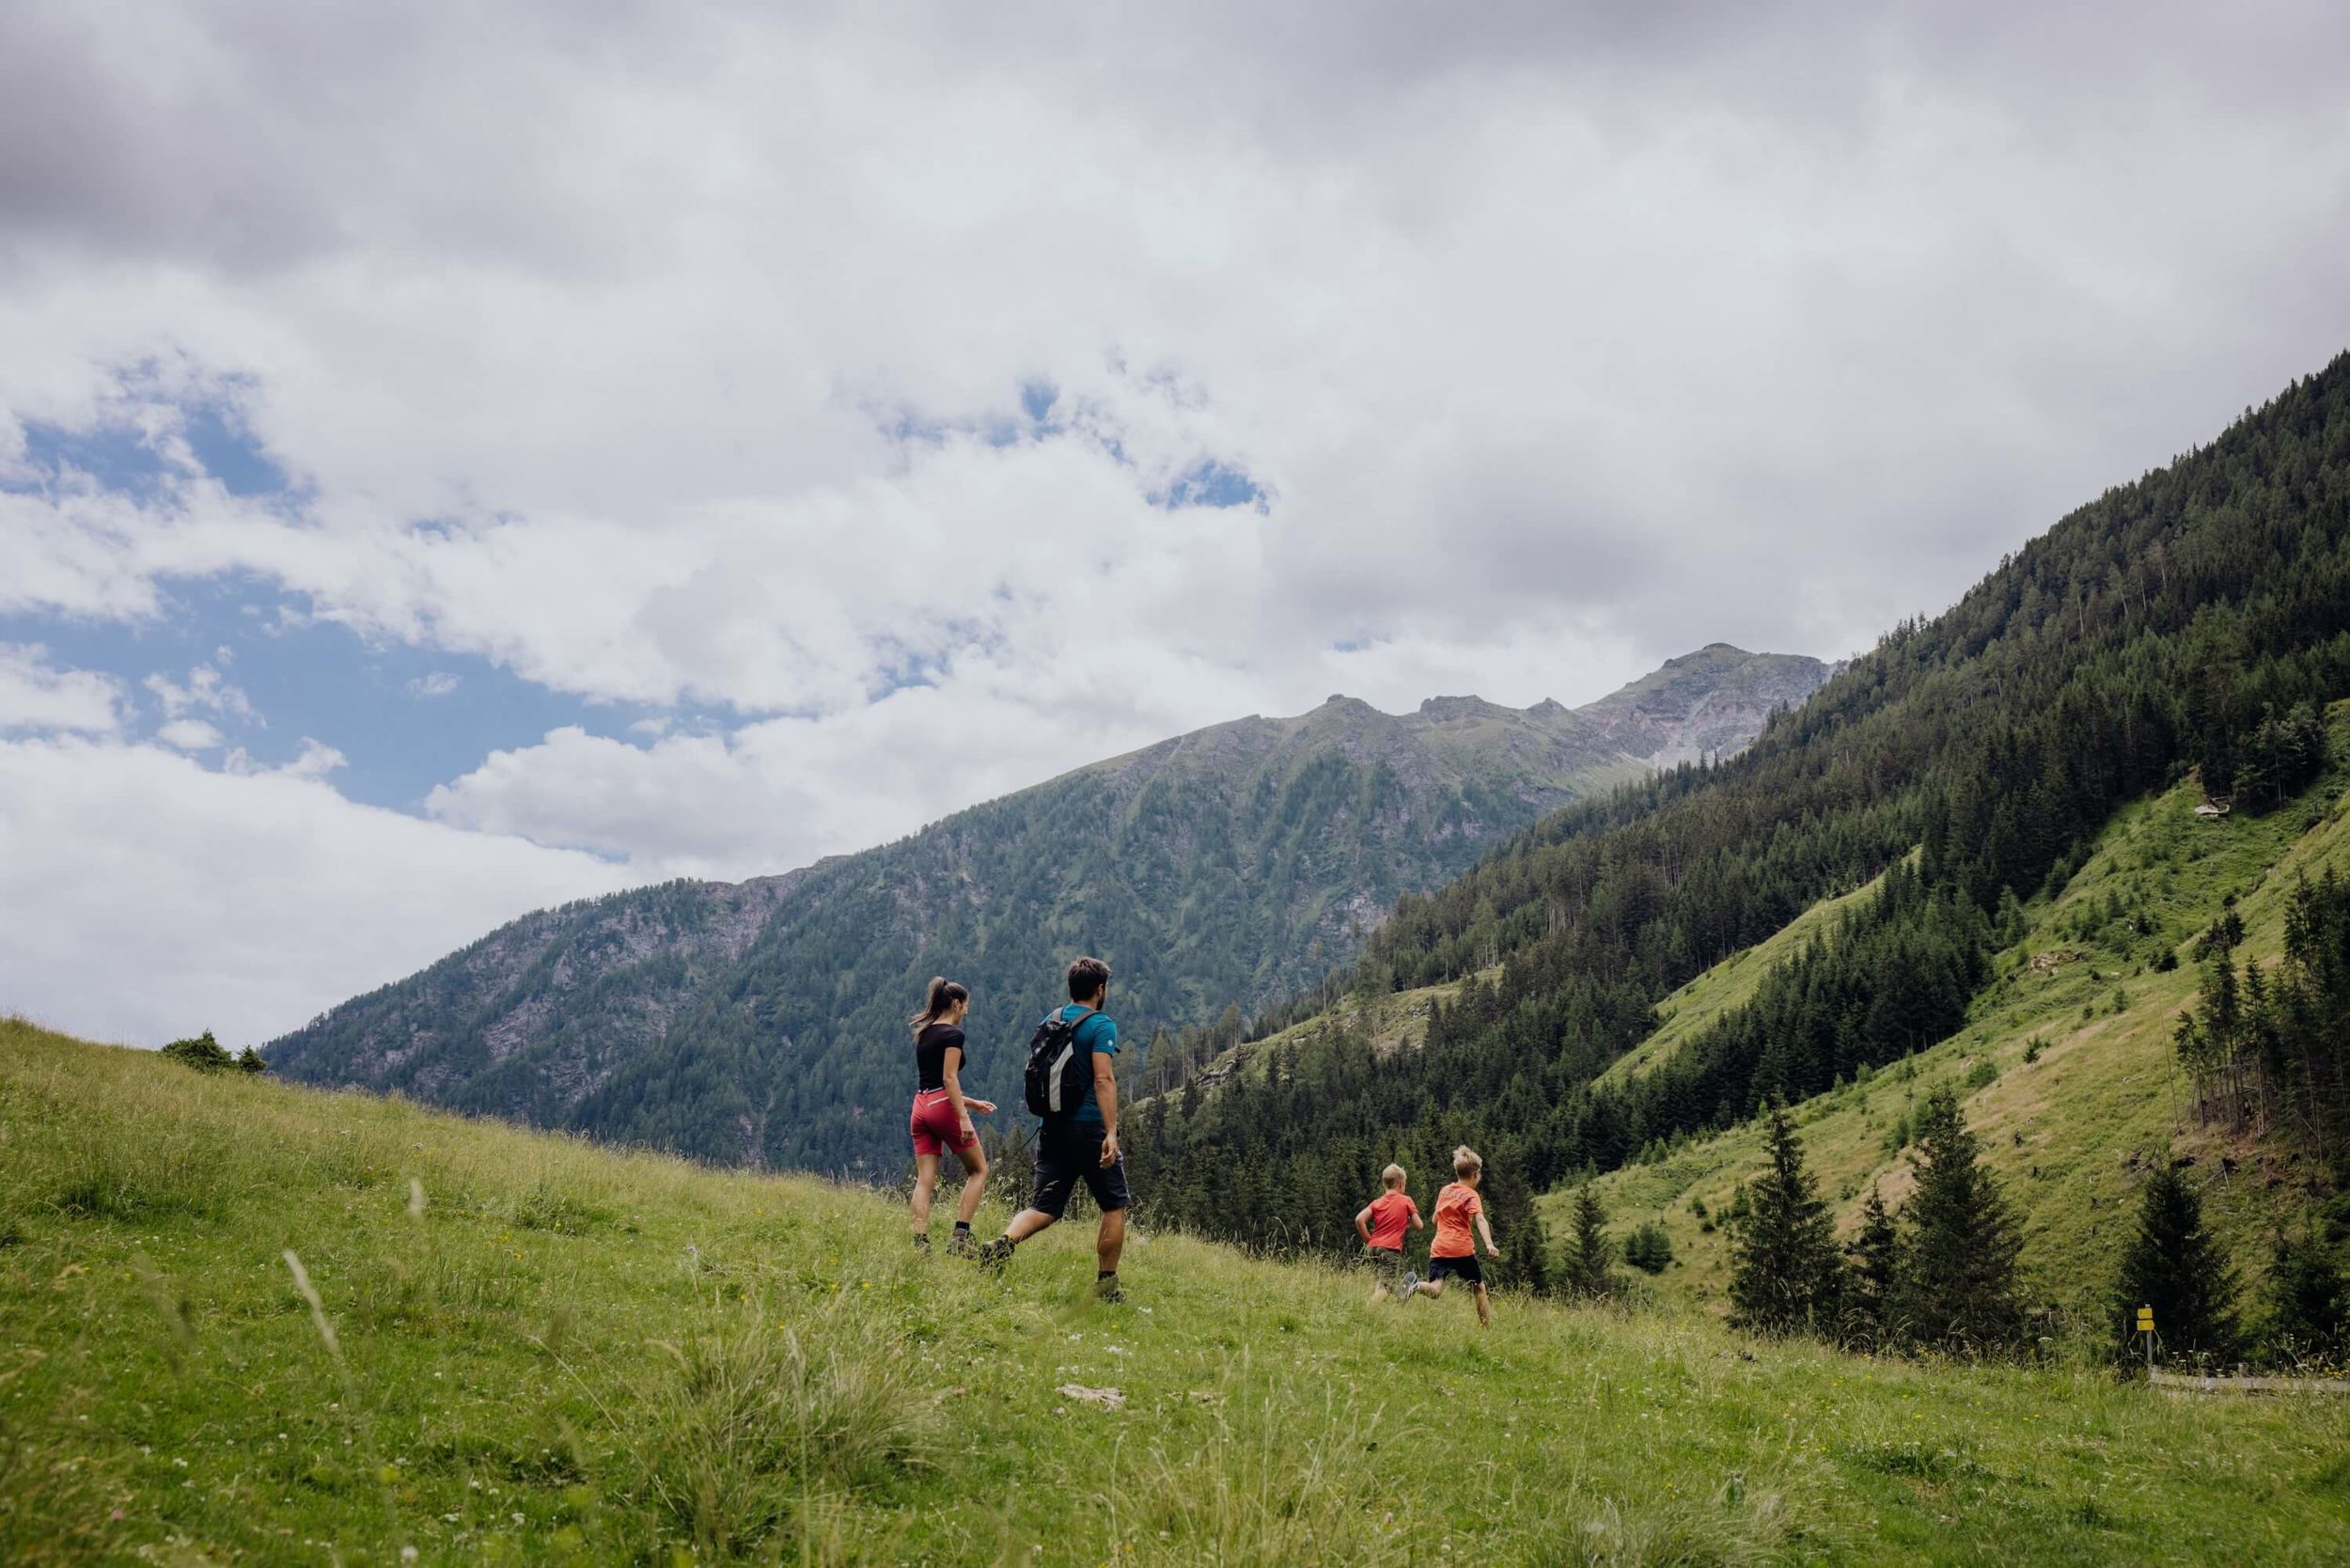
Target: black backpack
<point>1058,1074</point>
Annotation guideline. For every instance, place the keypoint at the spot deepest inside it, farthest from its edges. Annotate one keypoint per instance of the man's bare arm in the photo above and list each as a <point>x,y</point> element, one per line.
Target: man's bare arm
<point>1105,1095</point>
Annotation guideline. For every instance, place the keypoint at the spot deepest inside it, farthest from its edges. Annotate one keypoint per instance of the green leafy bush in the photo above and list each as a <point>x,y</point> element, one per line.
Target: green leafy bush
<point>1649,1248</point>
<point>203,1053</point>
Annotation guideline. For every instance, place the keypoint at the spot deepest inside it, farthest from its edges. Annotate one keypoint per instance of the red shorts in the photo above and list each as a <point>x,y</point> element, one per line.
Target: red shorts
<point>934,1125</point>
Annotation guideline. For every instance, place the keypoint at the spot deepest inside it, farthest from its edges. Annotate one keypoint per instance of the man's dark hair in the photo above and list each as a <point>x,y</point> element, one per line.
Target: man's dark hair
<point>1087,975</point>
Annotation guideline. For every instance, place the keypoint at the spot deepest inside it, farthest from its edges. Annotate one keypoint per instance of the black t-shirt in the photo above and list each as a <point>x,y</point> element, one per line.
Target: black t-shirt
<point>929,1054</point>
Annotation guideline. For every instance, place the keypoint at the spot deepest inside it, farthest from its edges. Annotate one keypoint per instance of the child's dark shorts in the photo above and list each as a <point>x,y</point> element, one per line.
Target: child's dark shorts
<point>1467,1268</point>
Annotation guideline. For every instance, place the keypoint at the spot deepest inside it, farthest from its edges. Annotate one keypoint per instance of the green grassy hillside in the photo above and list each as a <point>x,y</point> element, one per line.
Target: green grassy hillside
<point>546,1352</point>
<point>2077,1130</point>
<point>1728,984</point>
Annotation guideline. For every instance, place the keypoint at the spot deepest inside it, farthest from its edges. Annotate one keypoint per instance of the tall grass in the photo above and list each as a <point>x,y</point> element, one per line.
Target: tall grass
<point>754,1422</point>
<point>1269,1482</point>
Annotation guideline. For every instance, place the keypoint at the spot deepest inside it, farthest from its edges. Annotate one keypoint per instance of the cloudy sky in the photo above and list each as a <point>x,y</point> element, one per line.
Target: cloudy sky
<point>455,458</point>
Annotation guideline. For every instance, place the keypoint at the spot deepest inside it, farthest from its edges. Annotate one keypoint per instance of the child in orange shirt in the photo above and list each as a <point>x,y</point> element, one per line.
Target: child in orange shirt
<point>1382,1223</point>
<point>1454,1251</point>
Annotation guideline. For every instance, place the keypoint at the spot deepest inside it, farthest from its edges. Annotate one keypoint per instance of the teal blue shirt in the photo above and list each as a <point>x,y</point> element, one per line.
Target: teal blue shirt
<point>1097,1033</point>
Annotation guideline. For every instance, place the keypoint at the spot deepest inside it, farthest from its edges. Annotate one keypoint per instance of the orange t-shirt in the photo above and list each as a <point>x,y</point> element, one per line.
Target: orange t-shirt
<point>1456,1206</point>
<point>1390,1213</point>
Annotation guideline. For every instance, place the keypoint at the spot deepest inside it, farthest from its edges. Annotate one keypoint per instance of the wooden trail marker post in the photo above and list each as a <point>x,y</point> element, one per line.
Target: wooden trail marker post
<point>2146,1326</point>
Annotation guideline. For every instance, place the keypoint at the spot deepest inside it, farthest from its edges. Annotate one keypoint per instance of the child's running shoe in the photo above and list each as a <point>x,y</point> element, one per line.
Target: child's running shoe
<point>1409,1289</point>
<point>994,1255</point>
<point>922,1245</point>
<point>961,1244</point>
<point>1107,1290</point>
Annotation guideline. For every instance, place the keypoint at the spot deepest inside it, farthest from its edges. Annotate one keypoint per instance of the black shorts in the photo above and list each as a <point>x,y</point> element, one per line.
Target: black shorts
<point>1068,1152</point>
<point>1467,1268</point>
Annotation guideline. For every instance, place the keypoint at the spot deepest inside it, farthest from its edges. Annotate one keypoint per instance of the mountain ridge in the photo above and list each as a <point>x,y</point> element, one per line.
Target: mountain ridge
<point>757,1022</point>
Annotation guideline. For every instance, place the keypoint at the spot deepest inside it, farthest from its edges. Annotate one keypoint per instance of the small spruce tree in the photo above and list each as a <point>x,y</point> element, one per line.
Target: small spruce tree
<point>1649,1250</point>
<point>2308,1301</point>
<point>1587,1252</point>
<point>1958,1286</point>
<point>1519,1225</point>
<point>1783,1260</point>
<point>1873,1267</point>
<point>2174,1265</point>
<point>249,1060</point>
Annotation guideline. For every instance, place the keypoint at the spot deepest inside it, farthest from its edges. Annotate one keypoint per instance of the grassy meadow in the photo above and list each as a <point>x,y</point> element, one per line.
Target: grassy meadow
<point>506,1347</point>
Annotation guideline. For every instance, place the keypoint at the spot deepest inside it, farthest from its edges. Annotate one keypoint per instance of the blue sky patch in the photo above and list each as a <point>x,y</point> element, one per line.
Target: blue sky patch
<point>405,718</point>
<point>1211,483</point>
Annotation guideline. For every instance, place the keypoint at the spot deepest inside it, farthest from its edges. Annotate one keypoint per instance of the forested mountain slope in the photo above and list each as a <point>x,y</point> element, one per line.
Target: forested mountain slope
<point>2067,1066</point>
<point>2175,623</point>
<point>765,1023</point>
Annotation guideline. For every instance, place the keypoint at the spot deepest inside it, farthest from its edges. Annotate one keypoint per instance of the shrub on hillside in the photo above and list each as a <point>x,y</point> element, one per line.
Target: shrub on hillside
<point>203,1053</point>
<point>1649,1248</point>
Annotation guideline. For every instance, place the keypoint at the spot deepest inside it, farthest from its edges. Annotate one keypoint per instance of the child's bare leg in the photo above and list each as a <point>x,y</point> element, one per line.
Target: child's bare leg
<point>1433,1289</point>
<point>1484,1309</point>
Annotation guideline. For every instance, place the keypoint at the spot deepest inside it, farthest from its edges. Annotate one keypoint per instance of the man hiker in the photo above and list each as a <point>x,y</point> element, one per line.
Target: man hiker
<point>1073,1085</point>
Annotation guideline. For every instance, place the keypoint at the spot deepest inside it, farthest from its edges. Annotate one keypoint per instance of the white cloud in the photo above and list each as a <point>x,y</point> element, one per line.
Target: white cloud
<point>1769,329</point>
<point>315,760</point>
<point>143,897</point>
<point>206,690</point>
<point>187,734</point>
<point>440,683</point>
<point>675,356</point>
<point>35,697</point>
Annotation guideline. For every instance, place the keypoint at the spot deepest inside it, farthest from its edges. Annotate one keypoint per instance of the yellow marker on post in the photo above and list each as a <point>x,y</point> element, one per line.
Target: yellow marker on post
<point>2146,1326</point>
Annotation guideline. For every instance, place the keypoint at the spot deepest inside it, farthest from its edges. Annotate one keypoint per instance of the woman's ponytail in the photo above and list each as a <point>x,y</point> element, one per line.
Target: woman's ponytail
<point>943,994</point>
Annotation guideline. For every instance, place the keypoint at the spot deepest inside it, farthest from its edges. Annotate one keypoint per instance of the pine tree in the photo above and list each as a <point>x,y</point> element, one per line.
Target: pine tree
<point>2176,1266</point>
<point>1649,1250</point>
<point>2308,1301</point>
<point>1518,1227</point>
<point>1957,1289</point>
<point>1587,1252</point>
<point>1784,1273</point>
<point>1871,1276</point>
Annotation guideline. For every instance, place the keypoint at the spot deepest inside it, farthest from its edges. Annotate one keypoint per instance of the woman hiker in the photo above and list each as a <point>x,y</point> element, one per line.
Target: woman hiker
<point>941,1118</point>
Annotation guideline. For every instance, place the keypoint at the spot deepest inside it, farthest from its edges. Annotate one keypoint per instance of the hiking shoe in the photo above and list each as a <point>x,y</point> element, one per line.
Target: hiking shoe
<point>961,1244</point>
<point>994,1255</point>
<point>1409,1289</point>
<point>1107,1290</point>
<point>922,1245</point>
